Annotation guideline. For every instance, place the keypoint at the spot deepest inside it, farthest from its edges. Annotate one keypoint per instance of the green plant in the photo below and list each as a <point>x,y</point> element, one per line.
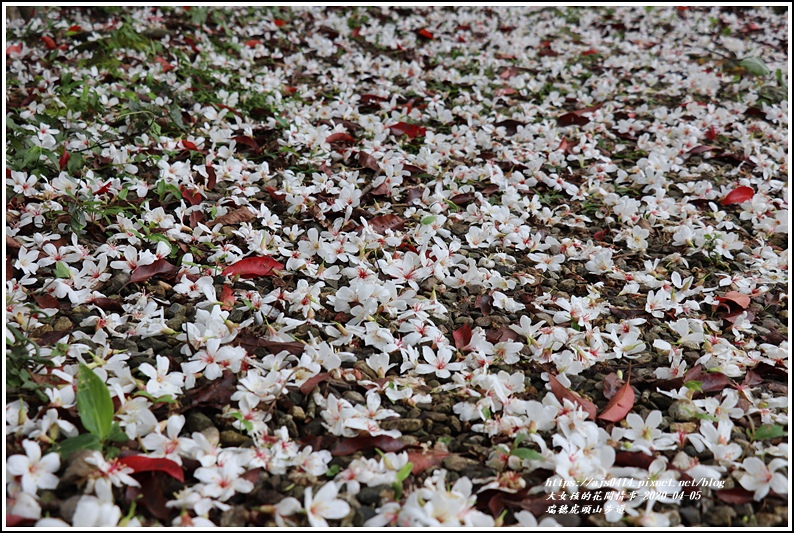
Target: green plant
<point>524,453</point>
<point>95,407</point>
<point>21,365</point>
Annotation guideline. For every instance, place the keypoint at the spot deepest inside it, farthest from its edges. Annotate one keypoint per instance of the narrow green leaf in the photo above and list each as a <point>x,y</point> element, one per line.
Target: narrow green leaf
<point>86,441</point>
<point>755,66</point>
<point>521,437</point>
<point>333,470</point>
<point>526,453</point>
<point>61,270</point>
<point>429,219</point>
<point>694,385</point>
<point>94,403</point>
<point>769,431</point>
<point>404,472</point>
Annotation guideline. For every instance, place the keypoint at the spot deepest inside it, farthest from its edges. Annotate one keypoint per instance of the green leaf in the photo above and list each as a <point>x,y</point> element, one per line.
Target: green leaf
<point>86,441</point>
<point>404,472</point>
<point>526,453</point>
<point>333,470</point>
<point>769,431</point>
<point>166,398</point>
<point>94,403</point>
<point>521,437</point>
<point>61,270</point>
<point>694,385</point>
<point>755,66</point>
<point>247,424</point>
<point>429,219</point>
<point>117,434</point>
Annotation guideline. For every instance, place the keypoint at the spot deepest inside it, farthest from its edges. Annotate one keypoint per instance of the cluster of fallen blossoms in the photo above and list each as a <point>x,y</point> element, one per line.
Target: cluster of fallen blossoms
<point>372,211</point>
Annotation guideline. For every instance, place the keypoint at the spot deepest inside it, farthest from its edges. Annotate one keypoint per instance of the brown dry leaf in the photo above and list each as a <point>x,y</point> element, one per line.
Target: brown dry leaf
<point>620,405</point>
<point>562,393</point>
<point>234,217</point>
<point>612,384</point>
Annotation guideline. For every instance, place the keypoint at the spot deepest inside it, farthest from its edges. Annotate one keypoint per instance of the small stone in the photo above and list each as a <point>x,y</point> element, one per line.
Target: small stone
<point>436,417</point>
<point>457,463</point>
<point>354,397</point>
<point>176,309</point>
<point>197,421</point>
<point>683,410</point>
<point>234,438</point>
<point>567,285</point>
<point>690,515</point>
<point>767,520</point>
<point>686,427</point>
<point>237,516</point>
<point>722,515</point>
<point>483,322</point>
<point>298,413</point>
<point>63,324</point>
<point>408,425</point>
<point>371,495</point>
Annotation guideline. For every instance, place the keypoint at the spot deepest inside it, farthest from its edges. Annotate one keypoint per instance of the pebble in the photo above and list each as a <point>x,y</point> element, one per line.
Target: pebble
<point>298,413</point>
<point>767,520</point>
<point>408,425</point>
<point>721,515</point>
<point>176,309</point>
<point>436,417</point>
<point>683,410</point>
<point>354,397</point>
<point>458,463</point>
<point>197,421</point>
<point>690,515</point>
<point>483,322</point>
<point>234,438</point>
<point>371,495</point>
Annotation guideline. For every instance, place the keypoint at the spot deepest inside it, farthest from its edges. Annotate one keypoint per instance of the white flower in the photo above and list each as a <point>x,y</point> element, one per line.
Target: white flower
<point>37,472</point>
<point>27,260</point>
<point>760,478</point>
<point>325,505</point>
<point>108,474</point>
<point>162,382</point>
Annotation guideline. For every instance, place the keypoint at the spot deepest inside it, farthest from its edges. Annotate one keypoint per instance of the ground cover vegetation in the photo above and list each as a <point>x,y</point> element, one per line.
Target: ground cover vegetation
<point>397,266</point>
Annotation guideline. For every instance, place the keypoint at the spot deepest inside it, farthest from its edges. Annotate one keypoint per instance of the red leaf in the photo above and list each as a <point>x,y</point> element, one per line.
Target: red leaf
<point>253,267</point>
<point>738,195</point>
<point>274,194</point>
<point>227,298</point>
<point>243,214</point>
<point>165,64</point>
<point>279,22</point>
<point>714,381</point>
<point>211,177</point>
<point>103,189</point>
<point>733,299</point>
<point>64,160</point>
<point>612,384</point>
<point>426,459</point>
<point>160,267</point>
<point>463,198</point>
<point>411,130</point>
<point>462,336</point>
<point>141,463</point>
<point>216,393</point>
<point>340,138</point>
<point>703,148</point>
<point>14,520</point>
<point>251,343</point>
<point>620,405</point>
<point>734,496</point>
<point>503,334</point>
<point>751,379</point>
<point>311,383</point>
<point>76,28</point>
<point>108,304</point>
<point>252,43</point>
<point>46,301</point>
<point>711,134</point>
<point>366,442</point>
<point>590,52</point>
<point>572,119</point>
<point>17,48</point>
<point>368,161</point>
<point>426,34</point>
<point>191,196</point>
<point>49,42</point>
<point>562,393</point>
<point>635,459</point>
<point>382,223</point>
<point>247,141</point>
<point>484,302</point>
<point>189,145</point>
<point>154,500</point>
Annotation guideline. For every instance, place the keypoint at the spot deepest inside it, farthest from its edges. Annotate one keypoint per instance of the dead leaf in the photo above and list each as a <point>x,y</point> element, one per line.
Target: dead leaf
<point>732,301</point>
<point>382,223</point>
<point>612,384</point>
<point>340,138</point>
<point>565,394</point>
<point>572,119</point>
<point>366,442</point>
<point>216,393</point>
<point>426,459</point>
<point>462,336</point>
<point>160,267</point>
<point>411,130</point>
<point>311,383</point>
<point>738,195</point>
<point>620,405</point>
<point>235,217</point>
<point>635,459</point>
<point>484,302</point>
<point>253,267</point>
<point>734,496</point>
<point>251,343</point>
